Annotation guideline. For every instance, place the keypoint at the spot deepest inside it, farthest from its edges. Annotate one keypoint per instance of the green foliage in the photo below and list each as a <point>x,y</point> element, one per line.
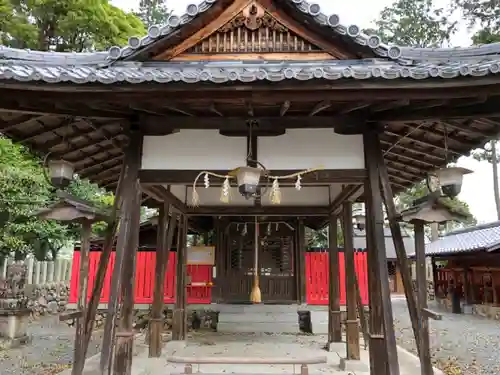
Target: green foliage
<point>153,12</point>
<point>419,190</point>
<point>65,25</point>
<point>486,15</point>
<point>415,23</point>
<point>24,189</point>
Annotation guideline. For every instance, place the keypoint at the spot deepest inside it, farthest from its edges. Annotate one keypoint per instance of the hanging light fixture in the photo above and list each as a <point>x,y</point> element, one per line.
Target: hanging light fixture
<point>448,179</point>
<point>248,179</point>
<point>359,220</point>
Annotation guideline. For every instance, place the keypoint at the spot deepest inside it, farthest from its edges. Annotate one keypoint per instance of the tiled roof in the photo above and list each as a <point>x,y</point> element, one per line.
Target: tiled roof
<point>359,242</point>
<point>221,72</point>
<point>480,238</point>
<point>403,55</point>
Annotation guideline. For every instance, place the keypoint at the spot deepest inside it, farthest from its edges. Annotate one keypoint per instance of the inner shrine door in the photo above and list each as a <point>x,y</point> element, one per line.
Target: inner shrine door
<point>275,258</point>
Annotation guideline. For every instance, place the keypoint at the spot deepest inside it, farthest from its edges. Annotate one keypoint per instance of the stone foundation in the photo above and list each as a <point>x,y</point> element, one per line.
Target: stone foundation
<point>13,327</point>
<point>487,311</point>
<point>47,299</point>
<point>200,319</point>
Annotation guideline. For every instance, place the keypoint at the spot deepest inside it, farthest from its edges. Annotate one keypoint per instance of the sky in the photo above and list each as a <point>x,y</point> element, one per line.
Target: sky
<point>477,189</point>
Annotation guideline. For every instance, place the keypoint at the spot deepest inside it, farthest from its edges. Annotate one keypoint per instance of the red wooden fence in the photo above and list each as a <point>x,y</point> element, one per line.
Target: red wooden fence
<point>318,279</point>
<point>144,278</point>
<point>316,276</point>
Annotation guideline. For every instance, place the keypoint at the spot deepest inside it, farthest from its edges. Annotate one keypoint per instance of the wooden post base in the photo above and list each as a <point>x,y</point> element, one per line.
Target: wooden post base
<point>155,330</point>
<point>123,353</point>
<point>178,326</point>
<point>335,334</point>
<point>352,331</point>
<point>378,354</point>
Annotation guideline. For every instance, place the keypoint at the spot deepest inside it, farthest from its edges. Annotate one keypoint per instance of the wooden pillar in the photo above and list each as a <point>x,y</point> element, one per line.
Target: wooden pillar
<point>425,354</point>
<point>164,242</point>
<point>352,323</point>
<point>107,249</point>
<point>301,262</point>
<point>79,353</point>
<point>130,193</point>
<point>125,332</point>
<point>397,238</point>
<point>467,287</point>
<point>334,316</point>
<point>382,338</point>
<point>178,321</point>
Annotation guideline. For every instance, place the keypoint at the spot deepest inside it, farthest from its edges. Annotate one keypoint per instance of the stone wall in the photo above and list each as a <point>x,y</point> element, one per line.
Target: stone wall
<point>199,319</point>
<point>487,311</point>
<point>47,299</point>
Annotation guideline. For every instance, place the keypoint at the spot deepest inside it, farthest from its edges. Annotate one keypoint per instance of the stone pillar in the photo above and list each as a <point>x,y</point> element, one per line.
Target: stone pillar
<point>14,313</point>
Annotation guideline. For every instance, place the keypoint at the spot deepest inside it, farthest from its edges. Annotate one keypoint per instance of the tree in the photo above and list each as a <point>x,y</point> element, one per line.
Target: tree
<point>65,25</point>
<point>414,23</point>
<point>419,190</point>
<point>24,189</point>
<point>486,15</point>
<point>153,12</point>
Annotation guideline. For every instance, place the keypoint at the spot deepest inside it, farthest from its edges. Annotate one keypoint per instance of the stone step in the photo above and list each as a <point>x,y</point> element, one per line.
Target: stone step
<point>252,317</point>
<point>261,308</point>
<point>243,327</point>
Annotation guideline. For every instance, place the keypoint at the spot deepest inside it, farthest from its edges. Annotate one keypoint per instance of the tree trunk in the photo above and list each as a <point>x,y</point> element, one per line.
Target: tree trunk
<point>494,163</point>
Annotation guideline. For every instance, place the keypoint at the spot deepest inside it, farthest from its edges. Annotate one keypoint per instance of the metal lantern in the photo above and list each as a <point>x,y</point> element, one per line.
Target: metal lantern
<point>60,172</point>
<point>360,221</point>
<point>450,180</point>
<point>248,179</point>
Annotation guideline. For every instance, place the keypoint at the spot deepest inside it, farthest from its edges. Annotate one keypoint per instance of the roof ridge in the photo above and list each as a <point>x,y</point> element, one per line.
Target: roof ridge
<point>403,55</point>
<point>473,229</point>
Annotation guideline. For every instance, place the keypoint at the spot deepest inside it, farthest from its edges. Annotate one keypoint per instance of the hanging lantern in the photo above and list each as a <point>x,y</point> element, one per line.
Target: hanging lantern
<point>360,221</point>
<point>450,180</point>
<point>248,179</point>
<point>61,172</point>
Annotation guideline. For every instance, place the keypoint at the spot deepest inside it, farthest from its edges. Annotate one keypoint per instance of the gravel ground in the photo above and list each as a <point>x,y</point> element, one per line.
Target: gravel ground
<point>460,344</point>
<point>50,352</point>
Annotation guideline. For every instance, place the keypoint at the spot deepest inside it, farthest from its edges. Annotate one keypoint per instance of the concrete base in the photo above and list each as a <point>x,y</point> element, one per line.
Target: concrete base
<point>353,365</point>
<point>13,328</point>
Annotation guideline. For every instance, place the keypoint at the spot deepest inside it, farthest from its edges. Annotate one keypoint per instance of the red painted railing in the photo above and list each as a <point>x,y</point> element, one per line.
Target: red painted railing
<point>144,278</point>
<point>316,276</point>
<point>318,279</point>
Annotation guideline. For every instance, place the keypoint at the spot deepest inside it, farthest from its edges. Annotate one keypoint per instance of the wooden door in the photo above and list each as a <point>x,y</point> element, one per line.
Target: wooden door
<point>276,264</point>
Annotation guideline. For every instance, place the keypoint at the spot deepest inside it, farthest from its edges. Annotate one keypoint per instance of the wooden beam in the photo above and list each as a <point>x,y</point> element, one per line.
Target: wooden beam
<point>132,163</point>
<point>79,352</point>
<point>165,236</point>
<point>352,323</point>
<point>334,313</point>
<point>214,109</point>
<point>64,123</point>
<point>425,346</point>
<point>161,194</point>
<point>6,125</point>
<point>125,330</point>
<point>285,107</point>
<point>109,237</point>
<point>321,106</point>
<point>301,261</point>
<point>346,194</point>
<point>382,337</point>
<point>186,177</point>
<point>397,238</point>
<point>157,125</point>
<point>382,107</point>
<point>424,142</point>
<point>179,313</point>
<point>259,211</point>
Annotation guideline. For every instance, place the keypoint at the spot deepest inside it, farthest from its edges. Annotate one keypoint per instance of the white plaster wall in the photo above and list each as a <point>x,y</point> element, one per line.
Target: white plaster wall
<point>310,148</point>
<point>211,197</point>
<point>193,150</point>
<point>180,192</point>
<point>307,196</point>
